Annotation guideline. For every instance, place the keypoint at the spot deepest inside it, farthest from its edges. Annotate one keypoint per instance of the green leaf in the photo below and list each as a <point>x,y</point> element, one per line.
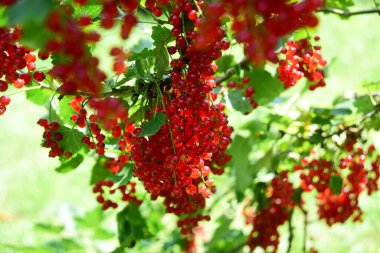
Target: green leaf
<point>24,11</point>
<point>332,112</point>
<point>339,4</point>
<point>26,249</point>
<point>341,111</point>
<point>363,104</point>
<point>72,139</point>
<point>90,219</point>
<point>128,76</point>
<point>102,234</point>
<point>144,54</point>
<point>161,36</point>
<point>39,96</point>
<point>240,150</point>
<point>139,66</point>
<point>99,171</point>
<point>92,9</point>
<point>139,115</point>
<point>239,102</point>
<point>131,226</point>
<point>64,110</point>
<point>71,164</point>
<point>124,176</point>
<point>66,245</point>
<point>161,60</point>
<point>50,228</point>
<point>319,120</point>
<point>3,16</point>
<point>59,59</point>
<point>336,184</point>
<point>225,62</point>
<point>316,138</point>
<point>153,126</point>
<point>304,33</point>
<point>31,14</point>
<point>260,195</point>
<point>224,224</point>
<point>266,87</point>
<point>34,34</point>
<point>224,238</point>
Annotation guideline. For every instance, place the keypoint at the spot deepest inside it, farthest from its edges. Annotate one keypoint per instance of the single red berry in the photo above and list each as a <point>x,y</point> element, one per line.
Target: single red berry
<point>39,76</point>
<point>4,100</point>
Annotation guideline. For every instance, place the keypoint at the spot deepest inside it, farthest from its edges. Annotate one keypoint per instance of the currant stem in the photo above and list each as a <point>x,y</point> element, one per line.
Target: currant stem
<point>163,105</point>
<point>24,90</point>
<point>348,14</point>
<point>231,71</point>
<point>290,228</point>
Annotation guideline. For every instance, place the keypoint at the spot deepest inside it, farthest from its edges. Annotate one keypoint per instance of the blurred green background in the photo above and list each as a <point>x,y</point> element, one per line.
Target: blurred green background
<point>31,192</point>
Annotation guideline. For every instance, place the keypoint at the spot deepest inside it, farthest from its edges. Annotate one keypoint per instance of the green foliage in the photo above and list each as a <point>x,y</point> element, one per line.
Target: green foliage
<point>64,109</point>
<point>92,9</point>
<point>92,222</point>
<point>72,140</point>
<point>153,126</point>
<point>271,139</point>
<point>99,172</point>
<point>336,184</point>
<point>339,4</point>
<point>161,36</point>
<point>124,176</point>
<point>31,15</point>
<point>244,173</point>
<point>225,62</point>
<point>266,87</point>
<point>39,96</point>
<point>239,102</point>
<point>224,238</point>
<point>70,164</point>
<point>131,226</point>
<point>25,11</point>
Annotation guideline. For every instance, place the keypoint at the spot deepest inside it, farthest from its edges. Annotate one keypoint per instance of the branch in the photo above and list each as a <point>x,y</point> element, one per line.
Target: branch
<point>348,14</point>
<point>358,123</point>
<point>127,90</point>
<point>369,115</point>
<point>231,71</point>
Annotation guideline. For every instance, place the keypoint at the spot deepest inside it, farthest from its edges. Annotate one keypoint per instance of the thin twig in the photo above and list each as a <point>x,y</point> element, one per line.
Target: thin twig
<point>304,229</point>
<point>231,71</point>
<point>291,234</point>
<point>357,124</point>
<point>347,13</point>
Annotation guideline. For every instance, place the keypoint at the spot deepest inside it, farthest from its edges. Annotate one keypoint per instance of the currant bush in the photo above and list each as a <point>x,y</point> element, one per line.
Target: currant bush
<point>157,116</point>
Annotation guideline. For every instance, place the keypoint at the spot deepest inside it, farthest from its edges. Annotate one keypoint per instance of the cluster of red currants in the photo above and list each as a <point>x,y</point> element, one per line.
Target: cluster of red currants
<point>315,174</point>
<point>15,60</point>
<point>127,191</point>
<point>338,207</point>
<point>52,138</point>
<point>259,24</point>
<point>301,59</point>
<point>79,71</point>
<point>192,145</point>
<point>276,212</point>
